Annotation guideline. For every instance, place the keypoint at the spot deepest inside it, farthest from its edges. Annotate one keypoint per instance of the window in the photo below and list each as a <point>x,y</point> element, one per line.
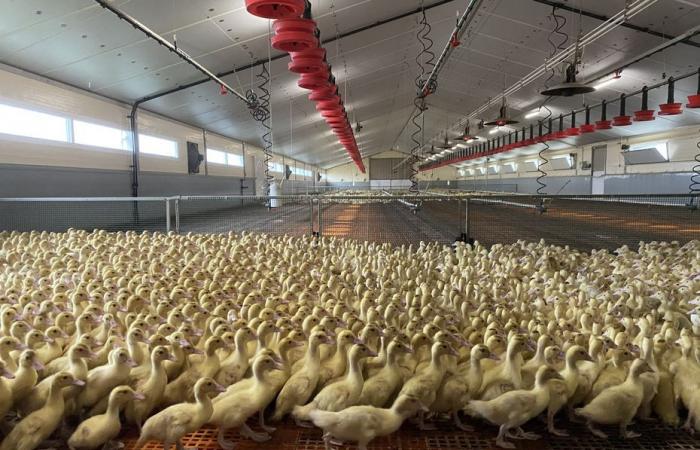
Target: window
<point>301,172</point>
<point>224,158</point>
<point>157,146</point>
<point>646,153</point>
<point>275,167</point>
<point>87,133</point>
<point>33,124</point>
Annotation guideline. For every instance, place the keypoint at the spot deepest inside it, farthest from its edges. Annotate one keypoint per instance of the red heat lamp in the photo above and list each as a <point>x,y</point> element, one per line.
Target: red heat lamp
<point>671,108</point>
<point>502,118</point>
<point>294,35</point>
<point>275,9</point>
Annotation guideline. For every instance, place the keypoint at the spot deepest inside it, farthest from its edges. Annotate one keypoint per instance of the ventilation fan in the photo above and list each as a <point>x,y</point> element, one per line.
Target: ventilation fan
<point>502,118</point>
<point>570,87</point>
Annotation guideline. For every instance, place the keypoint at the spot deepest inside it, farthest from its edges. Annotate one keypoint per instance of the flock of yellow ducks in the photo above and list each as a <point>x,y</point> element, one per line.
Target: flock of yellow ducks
<point>168,333</point>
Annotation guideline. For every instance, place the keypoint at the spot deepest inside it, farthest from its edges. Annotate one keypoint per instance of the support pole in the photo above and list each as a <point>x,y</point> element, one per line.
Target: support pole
<point>177,215</point>
<point>167,215</point>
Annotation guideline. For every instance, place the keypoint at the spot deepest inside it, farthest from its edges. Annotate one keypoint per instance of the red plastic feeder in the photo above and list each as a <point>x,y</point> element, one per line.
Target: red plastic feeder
<point>644,115</point>
<point>333,113</point>
<point>275,9</point>
<point>294,24</point>
<point>670,109</point>
<point>323,93</point>
<point>313,81</point>
<point>573,131</point>
<point>693,101</point>
<point>622,121</point>
<point>294,41</point>
<point>603,125</point>
<point>587,128</point>
<point>326,106</point>
<point>559,135</point>
<point>308,61</point>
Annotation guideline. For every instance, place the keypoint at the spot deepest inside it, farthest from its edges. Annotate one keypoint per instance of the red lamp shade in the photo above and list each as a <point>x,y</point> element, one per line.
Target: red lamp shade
<point>275,9</point>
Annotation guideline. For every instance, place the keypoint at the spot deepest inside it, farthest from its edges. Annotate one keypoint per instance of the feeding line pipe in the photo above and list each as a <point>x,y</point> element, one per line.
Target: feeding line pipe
<point>611,24</point>
<point>462,24</point>
<point>172,47</point>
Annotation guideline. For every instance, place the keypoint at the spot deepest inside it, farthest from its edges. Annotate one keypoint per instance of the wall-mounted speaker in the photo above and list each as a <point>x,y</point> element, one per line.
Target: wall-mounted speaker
<point>194,158</point>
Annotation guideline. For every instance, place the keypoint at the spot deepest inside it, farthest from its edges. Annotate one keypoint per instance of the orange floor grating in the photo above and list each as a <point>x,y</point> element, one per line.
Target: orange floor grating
<point>446,437</point>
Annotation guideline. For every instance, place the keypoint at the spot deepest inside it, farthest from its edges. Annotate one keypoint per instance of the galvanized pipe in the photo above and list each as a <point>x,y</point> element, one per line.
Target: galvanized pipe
<point>173,48</point>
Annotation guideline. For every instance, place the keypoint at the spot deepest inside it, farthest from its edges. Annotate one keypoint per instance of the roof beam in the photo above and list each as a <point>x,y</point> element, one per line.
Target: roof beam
<point>592,15</point>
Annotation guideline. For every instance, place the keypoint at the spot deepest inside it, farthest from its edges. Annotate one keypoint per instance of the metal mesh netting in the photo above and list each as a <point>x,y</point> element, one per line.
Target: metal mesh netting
<point>292,216</point>
<point>122,214</point>
<point>581,222</point>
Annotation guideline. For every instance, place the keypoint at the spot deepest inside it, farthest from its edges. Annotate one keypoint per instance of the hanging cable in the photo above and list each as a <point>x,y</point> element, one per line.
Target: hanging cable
<point>559,24</point>
<point>425,61</point>
<point>694,187</point>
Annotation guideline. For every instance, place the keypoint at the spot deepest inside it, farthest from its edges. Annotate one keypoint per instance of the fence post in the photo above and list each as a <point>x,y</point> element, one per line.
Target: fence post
<point>177,215</point>
<point>167,215</point>
<point>311,214</point>
<point>465,236</point>
<point>320,228</point>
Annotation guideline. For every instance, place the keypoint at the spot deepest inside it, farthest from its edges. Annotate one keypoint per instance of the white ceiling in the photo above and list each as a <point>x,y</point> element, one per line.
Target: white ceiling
<point>77,42</point>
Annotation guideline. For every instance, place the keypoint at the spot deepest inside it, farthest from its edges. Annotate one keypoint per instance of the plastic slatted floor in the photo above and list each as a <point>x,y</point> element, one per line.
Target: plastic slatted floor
<point>446,437</point>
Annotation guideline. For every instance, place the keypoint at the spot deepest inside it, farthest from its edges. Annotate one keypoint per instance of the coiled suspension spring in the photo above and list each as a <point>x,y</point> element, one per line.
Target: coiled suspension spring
<point>425,61</point>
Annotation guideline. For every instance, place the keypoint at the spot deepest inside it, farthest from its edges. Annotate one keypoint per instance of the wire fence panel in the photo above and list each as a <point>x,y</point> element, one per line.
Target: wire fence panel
<point>584,223</point>
<point>123,214</point>
<point>581,222</point>
<point>397,220</point>
<point>290,215</point>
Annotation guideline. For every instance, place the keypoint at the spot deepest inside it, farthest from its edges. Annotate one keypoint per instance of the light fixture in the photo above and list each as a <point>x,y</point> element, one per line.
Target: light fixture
<point>609,81</point>
<point>532,114</point>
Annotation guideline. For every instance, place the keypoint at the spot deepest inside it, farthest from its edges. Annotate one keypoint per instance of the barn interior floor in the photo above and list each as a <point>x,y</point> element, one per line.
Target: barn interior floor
<point>290,437</point>
<point>581,224</point>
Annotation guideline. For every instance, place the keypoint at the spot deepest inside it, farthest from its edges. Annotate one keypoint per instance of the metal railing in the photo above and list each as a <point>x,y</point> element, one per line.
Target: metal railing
<point>584,222</point>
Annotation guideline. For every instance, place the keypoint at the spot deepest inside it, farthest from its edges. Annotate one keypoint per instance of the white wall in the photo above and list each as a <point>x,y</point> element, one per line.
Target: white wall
<point>681,148</point>
<point>28,91</point>
<point>350,173</point>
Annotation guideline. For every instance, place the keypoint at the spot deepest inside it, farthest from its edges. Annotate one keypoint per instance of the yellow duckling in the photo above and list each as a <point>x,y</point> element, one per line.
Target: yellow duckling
<point>302,384</point>
<point>456,389</point>
<point>233,408</point>
<point>98,430</point>
<point>618,404</point>
<point>26,376</point>
<point>101,380</point>
<point>515,408</point>
<point>174,422</point>
<point>424,385</point>
<point>340,394</point>
<point>5,391</point>
<point>380,388</point>
<point>29,433</point>
<point>362,424</point>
